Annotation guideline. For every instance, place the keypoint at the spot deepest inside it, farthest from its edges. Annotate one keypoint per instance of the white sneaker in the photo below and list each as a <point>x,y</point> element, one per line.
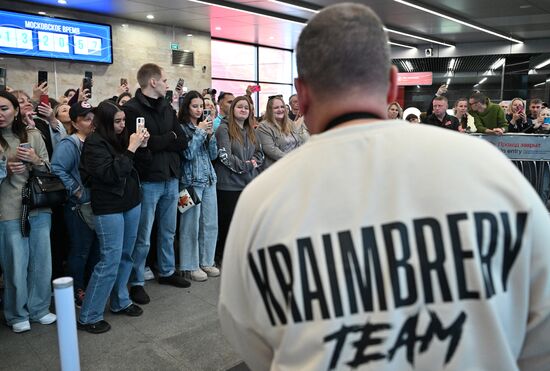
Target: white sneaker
<point>21,326</point>
<point>211,271</point>
<point>148,274</point>
<point>197,275</point>
<point>48,319</point>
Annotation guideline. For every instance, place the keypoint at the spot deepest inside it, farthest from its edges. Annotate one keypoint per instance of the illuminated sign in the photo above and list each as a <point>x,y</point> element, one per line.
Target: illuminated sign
<point>28,35</point>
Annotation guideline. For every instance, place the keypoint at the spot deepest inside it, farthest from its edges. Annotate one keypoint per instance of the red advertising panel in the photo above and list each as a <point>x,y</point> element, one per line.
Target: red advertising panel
<point>414,78</point>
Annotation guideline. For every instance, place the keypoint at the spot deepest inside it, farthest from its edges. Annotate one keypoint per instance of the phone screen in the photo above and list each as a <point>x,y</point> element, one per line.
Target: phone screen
<point>87,82</point>
<point>180,83</point>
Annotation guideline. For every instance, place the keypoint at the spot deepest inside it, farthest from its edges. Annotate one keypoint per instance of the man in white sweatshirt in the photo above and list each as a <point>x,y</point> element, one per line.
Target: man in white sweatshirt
<point>365,249</point>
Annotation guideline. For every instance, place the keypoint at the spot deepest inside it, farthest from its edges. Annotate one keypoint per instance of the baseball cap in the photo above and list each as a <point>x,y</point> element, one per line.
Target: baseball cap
<point>80,109</point>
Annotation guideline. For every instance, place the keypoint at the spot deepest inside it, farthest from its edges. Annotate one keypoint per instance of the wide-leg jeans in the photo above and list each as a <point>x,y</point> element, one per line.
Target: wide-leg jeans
<point>159,199</point>
<point>117,236</point>
<point>27,265</point>
<point>198,231</point>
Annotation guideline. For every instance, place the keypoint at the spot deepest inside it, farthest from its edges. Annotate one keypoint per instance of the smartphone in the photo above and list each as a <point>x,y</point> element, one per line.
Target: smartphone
<point>87,82</point>
<point>42,77</point>
<point>180,83</point>
<point>123,81</point>
<point>256,89</point>
<point>3,79</point>
<point>206,114</point>
<point>45,99</point>
<point>25,145</point>
<point>547,120</point>
<point>169,96</point>
<point>140,124</point>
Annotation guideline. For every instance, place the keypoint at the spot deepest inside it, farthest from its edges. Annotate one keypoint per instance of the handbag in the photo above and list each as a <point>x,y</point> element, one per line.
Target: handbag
<point>187,199</point>
<point>43,189</point>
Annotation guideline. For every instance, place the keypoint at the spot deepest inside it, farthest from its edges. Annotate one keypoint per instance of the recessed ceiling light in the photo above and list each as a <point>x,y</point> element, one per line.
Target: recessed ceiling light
<point>62,2</point>
<point>218,28</point>
<point>42,13</point>
<point>189,35</point>
<point>150,16</point>
<point>124,25</point>
<point>543,64</point>
<point>462,22</point>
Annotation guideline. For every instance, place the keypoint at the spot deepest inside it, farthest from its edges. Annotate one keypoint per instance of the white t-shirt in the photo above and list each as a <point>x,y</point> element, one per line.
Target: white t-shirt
<point>389,246</point>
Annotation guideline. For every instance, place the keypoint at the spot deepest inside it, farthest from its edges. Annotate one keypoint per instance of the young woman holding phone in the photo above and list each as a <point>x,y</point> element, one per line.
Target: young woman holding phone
<point>107,165</point>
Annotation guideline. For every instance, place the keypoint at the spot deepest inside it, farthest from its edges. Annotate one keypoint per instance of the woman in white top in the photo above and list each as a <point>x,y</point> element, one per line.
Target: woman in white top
<point>461,113</point>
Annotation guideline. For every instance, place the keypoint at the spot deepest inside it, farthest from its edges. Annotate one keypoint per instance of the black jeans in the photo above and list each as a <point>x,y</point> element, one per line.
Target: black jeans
<point>227,200</point>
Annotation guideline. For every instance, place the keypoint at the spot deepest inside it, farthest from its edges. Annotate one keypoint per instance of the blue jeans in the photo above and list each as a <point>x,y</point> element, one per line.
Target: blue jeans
<point>159,199</point>
<point>117,236</point>
<point>27,265</point>
<point>199,231</point>
<point>82,240</point>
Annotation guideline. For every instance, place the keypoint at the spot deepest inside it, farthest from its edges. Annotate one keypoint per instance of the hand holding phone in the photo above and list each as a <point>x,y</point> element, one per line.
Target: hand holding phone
<point>140,124</point>
<point>87,83</point>
<point>179,85</point>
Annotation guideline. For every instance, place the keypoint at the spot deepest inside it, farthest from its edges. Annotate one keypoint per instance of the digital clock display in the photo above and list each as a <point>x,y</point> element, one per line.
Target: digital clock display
<point>28,35</point>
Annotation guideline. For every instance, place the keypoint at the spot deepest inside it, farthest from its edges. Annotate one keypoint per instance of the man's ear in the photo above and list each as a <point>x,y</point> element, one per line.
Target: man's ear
<point>304,99</point>
<point>392,88</point>
<point>152,82</point>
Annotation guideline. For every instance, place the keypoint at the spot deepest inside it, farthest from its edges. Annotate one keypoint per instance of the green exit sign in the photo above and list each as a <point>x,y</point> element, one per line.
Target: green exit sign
<point>174,46</point>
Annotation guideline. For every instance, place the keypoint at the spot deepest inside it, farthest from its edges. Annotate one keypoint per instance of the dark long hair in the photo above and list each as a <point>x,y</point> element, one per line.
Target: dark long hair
<point>104,121</point>
<point>183,113</point>
<point>17,127</point>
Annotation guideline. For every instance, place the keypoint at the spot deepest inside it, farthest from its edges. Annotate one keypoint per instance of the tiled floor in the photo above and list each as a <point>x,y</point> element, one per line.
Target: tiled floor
<point>179,330</point>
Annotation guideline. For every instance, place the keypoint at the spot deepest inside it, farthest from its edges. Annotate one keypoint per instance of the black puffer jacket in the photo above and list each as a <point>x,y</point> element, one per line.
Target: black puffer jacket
<point>110,175</point>
<point>167,141</point>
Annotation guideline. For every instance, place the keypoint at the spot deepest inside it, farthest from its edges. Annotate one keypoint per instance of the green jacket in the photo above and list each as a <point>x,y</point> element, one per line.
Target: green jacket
<point>493,117</point>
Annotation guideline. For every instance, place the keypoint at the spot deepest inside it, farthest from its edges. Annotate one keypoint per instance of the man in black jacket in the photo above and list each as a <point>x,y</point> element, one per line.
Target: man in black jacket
<point>439,117</point>
<point>159,179</point>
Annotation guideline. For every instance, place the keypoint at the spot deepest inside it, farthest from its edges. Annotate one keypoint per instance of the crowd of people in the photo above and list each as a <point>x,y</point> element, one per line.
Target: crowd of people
<point>478,114</point>
<point>124,182</point>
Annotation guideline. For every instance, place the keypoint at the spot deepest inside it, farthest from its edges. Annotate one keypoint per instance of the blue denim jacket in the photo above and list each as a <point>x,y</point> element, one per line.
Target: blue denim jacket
<point>65,161</point>
<point>3,171</point>
<point>197,169</point>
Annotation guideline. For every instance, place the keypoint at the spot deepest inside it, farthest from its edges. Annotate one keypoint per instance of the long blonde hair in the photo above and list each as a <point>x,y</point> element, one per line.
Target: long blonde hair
<point>234,128</point>
<point>286,126</point>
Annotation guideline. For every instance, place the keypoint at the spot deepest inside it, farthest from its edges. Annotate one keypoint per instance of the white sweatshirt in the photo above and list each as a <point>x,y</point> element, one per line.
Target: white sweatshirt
<point>389,246</point>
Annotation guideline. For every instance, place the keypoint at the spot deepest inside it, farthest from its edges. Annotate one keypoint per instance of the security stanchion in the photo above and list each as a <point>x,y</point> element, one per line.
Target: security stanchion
<point>66,324</point>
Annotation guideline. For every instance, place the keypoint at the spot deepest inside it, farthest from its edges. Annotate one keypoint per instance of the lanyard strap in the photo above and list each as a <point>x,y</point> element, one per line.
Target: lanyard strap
<point>349,117</point>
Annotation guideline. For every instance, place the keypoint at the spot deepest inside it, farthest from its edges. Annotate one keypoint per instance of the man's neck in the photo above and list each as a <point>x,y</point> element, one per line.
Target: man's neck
<point>295,111</point>
<point>440,117</point>
<point>150,93</point>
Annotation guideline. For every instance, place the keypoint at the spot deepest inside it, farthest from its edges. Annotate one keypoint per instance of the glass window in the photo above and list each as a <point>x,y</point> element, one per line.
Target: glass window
<point>233,61</point>
<point>275,65</point>
<point>235,87</point>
